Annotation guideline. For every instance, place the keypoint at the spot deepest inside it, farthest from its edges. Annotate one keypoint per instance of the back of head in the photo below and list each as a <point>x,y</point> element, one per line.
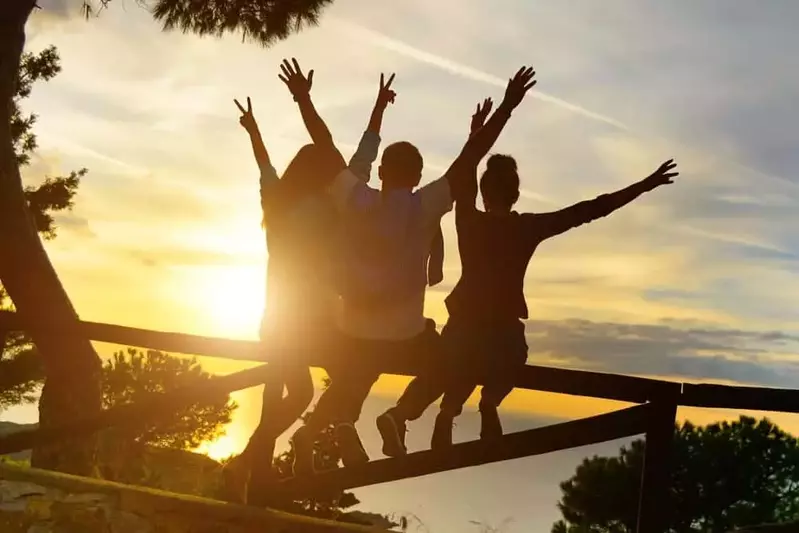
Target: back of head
<point>307,163</point>
<point>499,184</point>
<point>401,166</point>
<point>301,178</point>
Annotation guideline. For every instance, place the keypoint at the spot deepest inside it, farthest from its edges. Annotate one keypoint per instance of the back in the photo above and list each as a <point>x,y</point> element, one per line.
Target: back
<point>495,251</point>
<point>384,263</point>
<point>301,247</point>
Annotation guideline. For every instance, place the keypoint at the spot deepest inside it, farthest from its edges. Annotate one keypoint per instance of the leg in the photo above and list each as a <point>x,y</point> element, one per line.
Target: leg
<point>425,389</point>
<point>255,461</point>
<point>340,405</point>
<point>455,396</point>
<point>500,375</point>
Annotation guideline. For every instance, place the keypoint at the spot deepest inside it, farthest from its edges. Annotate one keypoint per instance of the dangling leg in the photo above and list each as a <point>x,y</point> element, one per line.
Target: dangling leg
<point>423,391</point>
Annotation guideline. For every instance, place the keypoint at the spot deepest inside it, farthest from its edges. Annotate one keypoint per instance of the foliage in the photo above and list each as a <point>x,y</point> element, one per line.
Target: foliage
<point>132,374</point>
<point>725,476</point>
<point>261,21</point>
<point>21,371</point>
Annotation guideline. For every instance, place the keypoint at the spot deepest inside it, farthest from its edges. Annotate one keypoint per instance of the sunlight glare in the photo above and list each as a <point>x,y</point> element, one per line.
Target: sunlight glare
<point>231,297</point>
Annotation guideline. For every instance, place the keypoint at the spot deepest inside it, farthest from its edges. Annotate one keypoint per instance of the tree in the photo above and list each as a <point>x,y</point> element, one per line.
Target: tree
<point>132,374</point>
<point>21,370</point>
<point>72,388</point>
<point>726,475</point>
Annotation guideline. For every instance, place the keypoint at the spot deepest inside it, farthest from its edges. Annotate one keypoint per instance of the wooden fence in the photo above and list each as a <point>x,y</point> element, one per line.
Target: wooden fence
<point>654,416</point>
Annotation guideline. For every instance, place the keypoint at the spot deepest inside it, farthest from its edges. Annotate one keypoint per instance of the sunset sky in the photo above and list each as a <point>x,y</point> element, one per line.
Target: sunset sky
<point>695,281</point>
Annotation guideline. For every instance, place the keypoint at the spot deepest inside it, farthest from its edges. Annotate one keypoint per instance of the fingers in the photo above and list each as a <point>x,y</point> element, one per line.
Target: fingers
<point>239,106</point>
<point>287,72</point>
<point>310,78</point>
<point>296,66</point>
<point>390,80</point>
<point>249,105</point>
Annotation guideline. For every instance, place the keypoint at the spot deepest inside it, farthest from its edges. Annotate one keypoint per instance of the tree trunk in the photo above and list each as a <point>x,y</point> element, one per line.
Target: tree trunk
<point>72,368</point>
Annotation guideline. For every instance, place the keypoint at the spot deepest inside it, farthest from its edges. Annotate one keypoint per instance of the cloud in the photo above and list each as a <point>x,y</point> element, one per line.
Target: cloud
<point>73,224</point>
<point>769,358</point>
<point>399,47</point>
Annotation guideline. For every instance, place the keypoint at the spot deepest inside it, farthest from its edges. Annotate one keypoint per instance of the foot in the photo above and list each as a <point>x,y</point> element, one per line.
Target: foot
<point>350,446</point>
<point>442,432</point>
<point>302,442</point>
<point>392,429</point>
<point>491,428</point>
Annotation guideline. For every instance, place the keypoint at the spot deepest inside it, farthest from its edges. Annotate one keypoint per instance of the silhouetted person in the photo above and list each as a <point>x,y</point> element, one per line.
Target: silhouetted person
<point>383,285</point>
<point>485,335</point>
<point>301,231</point>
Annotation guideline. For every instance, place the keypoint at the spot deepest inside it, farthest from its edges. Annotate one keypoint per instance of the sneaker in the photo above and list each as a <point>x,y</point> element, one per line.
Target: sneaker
<point>491,428</point>
<point>442,432</point>
<point>350,446</point>
<point>302,443</point>
<point>392,429</point>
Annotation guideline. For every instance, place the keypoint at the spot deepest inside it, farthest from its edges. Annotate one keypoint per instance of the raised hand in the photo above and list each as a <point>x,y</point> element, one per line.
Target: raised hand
<point>295,80</point>
<point>247,120</point>
<point>386,94</point>
<point>664,174</point>
<point>480,115</point>
<point>518,86</point>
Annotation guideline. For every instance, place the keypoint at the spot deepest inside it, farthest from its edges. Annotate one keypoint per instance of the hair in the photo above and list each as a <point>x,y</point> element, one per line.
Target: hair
<point>499,184</point>
<point>401,165</point>
<point>298,180</point>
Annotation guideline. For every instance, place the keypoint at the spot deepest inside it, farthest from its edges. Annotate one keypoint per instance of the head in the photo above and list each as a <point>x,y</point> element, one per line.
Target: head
<point>500,183</point>
<point>401,166</point>
<point>298,180</point>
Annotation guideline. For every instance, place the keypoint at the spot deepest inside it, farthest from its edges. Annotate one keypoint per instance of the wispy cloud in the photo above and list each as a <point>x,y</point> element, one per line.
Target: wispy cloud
<point>400,47</point>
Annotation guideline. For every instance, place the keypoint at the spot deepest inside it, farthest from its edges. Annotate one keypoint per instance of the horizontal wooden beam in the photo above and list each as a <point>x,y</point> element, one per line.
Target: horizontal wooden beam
<point>575,382</point>
<point>592,430</point>
<point>732,397</point>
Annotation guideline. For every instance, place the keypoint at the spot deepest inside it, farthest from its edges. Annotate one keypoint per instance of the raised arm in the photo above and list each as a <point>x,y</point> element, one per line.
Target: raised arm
<point>247,121</point>
<point>555,223</point>
<point>465,195</point>
<point>365,155</point>
<point>300,88</point>
<point>481,142</point>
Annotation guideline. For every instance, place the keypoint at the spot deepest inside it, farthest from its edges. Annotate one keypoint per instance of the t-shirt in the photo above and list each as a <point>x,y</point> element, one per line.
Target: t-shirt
<point>302,249</point>
<point>388,237</point>
<point>495,250</point>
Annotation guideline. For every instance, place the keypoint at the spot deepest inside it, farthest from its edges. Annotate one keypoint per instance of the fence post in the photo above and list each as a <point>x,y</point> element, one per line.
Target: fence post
<point>653,502</point>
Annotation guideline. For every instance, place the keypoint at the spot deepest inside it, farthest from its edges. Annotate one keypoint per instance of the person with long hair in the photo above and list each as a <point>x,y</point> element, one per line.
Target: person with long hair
<point>383,284</point>
<point>301,233</point>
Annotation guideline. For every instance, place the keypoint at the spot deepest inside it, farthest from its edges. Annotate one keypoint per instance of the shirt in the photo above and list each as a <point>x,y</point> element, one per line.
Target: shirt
<point>302,249</point>
<point>496,249</point>
<point>388,241</point>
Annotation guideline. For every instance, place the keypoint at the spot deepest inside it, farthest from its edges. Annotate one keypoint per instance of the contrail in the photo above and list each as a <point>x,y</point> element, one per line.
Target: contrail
<point>399,47</point>
<point>458,69</point>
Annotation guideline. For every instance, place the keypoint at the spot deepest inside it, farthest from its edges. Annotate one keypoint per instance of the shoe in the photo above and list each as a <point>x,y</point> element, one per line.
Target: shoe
<point>302,443</point>
<point>350,446</point>
<point>392,429</point>
<point>442,432</point>
<point>491,428</point>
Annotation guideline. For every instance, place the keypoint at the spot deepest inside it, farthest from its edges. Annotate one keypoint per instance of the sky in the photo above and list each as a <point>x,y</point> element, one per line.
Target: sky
<point>692,282</point>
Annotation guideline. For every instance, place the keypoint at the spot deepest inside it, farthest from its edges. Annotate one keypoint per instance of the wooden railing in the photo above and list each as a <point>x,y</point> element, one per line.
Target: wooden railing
<point>654,417</point>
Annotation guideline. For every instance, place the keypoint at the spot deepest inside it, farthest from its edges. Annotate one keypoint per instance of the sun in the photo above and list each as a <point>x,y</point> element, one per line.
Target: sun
<point>230,298</point>
<point>220,448</point>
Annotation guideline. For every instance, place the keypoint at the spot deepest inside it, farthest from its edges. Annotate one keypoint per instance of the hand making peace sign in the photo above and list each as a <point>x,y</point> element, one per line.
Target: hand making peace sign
<point>247,119</point>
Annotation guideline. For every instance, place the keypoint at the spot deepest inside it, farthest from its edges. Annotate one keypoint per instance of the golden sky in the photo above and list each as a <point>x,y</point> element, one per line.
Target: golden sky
<point>694,282</point>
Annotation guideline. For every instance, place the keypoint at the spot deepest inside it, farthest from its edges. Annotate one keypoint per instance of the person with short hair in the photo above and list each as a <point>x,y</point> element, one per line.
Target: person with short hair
<point>383,282</point>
